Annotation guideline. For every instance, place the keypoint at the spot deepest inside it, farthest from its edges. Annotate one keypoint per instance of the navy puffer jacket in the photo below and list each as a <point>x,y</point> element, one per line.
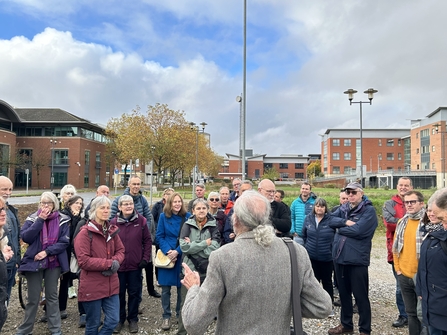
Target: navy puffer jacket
<point>318,241</point>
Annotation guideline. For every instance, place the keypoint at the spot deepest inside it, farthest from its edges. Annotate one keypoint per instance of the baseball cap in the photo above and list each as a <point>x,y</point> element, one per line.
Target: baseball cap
<point>354,186</point>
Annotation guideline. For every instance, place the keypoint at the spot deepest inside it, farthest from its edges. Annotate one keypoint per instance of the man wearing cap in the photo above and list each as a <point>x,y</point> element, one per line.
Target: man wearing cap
<point>351,252</point>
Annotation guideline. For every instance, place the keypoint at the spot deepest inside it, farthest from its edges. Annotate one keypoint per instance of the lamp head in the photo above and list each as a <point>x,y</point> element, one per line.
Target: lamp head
<point>370,92</point>
<point>350,94</point>
<point>437,125</point>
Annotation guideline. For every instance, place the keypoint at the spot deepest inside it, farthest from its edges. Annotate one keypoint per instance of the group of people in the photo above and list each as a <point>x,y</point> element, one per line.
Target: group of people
<point>225,255</point>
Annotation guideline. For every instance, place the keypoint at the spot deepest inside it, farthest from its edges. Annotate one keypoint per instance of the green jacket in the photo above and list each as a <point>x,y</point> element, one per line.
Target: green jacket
<point>198,248</point>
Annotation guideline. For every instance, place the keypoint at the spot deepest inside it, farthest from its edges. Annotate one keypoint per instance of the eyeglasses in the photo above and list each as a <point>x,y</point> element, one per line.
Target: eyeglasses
<point>45,203</point>
<point>213,199</point>
<point>348,192</point>
<point>126,204</point>
<point>411,202</point>
<point>270,191</point>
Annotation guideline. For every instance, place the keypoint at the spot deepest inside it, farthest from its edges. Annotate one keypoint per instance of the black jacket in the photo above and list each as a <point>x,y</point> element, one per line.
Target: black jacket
<point>280,218</point>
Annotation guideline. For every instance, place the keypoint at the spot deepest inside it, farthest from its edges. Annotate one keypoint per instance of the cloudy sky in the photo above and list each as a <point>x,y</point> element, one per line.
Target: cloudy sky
<point>100,59</point>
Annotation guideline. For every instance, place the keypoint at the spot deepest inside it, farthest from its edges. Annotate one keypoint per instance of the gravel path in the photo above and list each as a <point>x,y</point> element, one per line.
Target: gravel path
<point>382,298</point>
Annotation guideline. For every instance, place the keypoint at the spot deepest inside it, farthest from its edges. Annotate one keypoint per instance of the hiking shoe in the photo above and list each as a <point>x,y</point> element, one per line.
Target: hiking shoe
<point>82,321</point>
<point>118,328</point>
<point>133,327</point>
<point>400,322</point>
<point>340,330</point>
<point>72,292</point>
<point>166,324</point>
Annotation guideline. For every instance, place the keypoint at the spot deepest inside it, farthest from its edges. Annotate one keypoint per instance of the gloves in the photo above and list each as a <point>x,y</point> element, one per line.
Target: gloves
<point>113,269</point>
<point>142,264</point>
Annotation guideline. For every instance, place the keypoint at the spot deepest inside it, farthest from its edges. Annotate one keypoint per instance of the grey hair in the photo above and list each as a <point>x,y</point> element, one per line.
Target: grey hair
<point>67,188</point>
<point>252,210</point>
<point>214,195</point>
<point>439,198</point>
<point>202,186</point>
<point>52,197</point>
<point>224,187</point>
<point>199,201</point>
<point>249,182</point>
<point>124,198</point>
<point>98,201</point>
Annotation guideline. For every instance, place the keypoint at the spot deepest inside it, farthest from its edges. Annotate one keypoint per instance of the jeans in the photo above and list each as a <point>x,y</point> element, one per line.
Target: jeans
<point>130,282</point>
<point>353,279</point>
<point>11,280</point>
<point>111,308</point>
<point>399,300</point>
<point>298,240</point>
<point>435,331</point>
<point>408,290</point>
<point>166,301</point>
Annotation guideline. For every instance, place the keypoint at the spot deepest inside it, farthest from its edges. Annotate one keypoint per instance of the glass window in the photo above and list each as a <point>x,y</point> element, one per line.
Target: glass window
<point>336,170</point>
<point>299,175</point>
<point>425,133</point>
<point>347,170</point>
<point>380,142</point>
<point>283,165</point>
<point>86,181</point>
<point>336,156</point>
<point>336,142</point>
<point>347,156</point>
<point>347,142</point>
<point>299,166</point>
<point>390,143</point>
<point>433,148</point>
<point>399,156</point>
<point>87,158</point>
<point>390,157</point>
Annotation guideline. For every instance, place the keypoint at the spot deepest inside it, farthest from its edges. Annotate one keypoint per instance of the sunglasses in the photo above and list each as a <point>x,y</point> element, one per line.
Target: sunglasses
<point>348,192</point>
<point>214,199</point>
<point>411,202</point>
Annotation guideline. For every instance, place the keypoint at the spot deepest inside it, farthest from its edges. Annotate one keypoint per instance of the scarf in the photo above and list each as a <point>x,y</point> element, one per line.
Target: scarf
<point>48,237</point>
<point>400,231</point>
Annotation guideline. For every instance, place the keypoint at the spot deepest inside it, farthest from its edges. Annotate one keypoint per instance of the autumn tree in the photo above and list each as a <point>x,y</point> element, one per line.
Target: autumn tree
<point>314,169</point>
<point>270,173</point>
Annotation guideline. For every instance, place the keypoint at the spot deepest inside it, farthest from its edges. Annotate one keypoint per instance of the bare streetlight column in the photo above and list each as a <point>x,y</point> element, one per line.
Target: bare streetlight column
<point>350,94</point>
<point>437,126</point>
<point>196,168</point>
<point>53,142</point>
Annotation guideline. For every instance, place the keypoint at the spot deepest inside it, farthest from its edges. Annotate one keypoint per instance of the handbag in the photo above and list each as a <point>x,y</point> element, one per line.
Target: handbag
<point>74,266</point>
<point>296,304</point>
<point>162,261</point>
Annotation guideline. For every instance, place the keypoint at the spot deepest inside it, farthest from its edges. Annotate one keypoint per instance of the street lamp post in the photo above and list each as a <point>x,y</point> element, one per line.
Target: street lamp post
<point>196,168</point>
<point>152,170</point>
<point>350,94</point>
<point>53,142</point>
<point>437,126</point>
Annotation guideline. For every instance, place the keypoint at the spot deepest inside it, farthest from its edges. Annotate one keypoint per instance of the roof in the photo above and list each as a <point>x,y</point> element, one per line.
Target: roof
<point>47,115</point>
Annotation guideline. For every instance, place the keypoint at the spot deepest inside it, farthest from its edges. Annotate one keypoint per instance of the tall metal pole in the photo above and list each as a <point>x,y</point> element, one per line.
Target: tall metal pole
<point>443,158</point>
<point>53,142</point>
<point>361,144</point>
<point>244,91</point>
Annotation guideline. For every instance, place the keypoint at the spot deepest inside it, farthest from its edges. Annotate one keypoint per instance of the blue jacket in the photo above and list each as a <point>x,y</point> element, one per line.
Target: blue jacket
<point>318,241</point>
<point>12,229</point>
<point>30,233</point>
<point>140,204</point>
<point>352,245</point>
<point>298,210</point>
<point>168,232</point>
<point>431,282</point>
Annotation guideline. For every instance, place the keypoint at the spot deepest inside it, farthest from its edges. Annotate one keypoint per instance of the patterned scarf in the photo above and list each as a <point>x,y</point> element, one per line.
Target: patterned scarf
<point>400,231</point>
<point>48,237</point>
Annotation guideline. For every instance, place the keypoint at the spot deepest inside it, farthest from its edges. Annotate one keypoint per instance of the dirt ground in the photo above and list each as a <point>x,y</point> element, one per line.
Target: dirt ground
<point>382,298</point>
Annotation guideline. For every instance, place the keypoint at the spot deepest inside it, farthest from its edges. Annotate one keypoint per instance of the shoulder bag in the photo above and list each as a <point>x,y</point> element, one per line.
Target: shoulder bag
<point>296,304</point>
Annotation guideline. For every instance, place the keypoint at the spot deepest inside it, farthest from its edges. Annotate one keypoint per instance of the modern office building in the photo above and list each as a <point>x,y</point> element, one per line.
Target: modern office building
<point>38,144</point>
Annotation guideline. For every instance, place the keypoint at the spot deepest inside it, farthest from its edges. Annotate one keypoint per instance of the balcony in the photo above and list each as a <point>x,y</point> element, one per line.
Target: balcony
<point>59,162</point>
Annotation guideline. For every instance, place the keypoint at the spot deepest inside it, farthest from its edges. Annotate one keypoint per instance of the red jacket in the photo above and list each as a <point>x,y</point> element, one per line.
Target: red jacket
<point>393,210</point>
<point>228,207</point>
<point>95,254</point>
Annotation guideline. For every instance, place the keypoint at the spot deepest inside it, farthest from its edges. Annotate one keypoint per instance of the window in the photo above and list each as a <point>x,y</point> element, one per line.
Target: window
<point>336,156</point>
<point>299,175</point>
<point>299,166</point>
<point>87,158</point>
<point>433,166</point>
<point>86,180</point>
<point>433,148</point>
<point>336,170</point>
<point>417,150</point>
<point>390,143</point>
<point>390,157</point>
<point>433,131</point>
<point>399,156</point>
<point>399,142</point>
<point>379,156</point>
<point>336,142</point>
<point>283,175</point>
<point>60,157</point>
<point>347,142</point>
<point>60,179</point>
<point>425,133</point>
<point>347,170</point>
<point>98,161</point>
<point>267,166</point>
<point>417,136</point>
<point>380,142</point>
<point>347,156</point>
<point>425,149</point>
<point>283,165</point>
<point>96,180</point>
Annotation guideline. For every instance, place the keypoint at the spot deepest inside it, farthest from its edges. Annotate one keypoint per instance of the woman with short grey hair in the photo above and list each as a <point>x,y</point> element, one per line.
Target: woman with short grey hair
<point>66,193</point>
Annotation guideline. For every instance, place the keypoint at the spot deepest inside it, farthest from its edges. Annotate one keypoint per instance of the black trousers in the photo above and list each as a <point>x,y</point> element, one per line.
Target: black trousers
<point>353,279</point>
<point>323,273</point>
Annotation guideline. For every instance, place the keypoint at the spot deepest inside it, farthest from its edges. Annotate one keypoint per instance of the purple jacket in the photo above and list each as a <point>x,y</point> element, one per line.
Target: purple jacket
<point>30,234</point>
<point>134,233</point>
